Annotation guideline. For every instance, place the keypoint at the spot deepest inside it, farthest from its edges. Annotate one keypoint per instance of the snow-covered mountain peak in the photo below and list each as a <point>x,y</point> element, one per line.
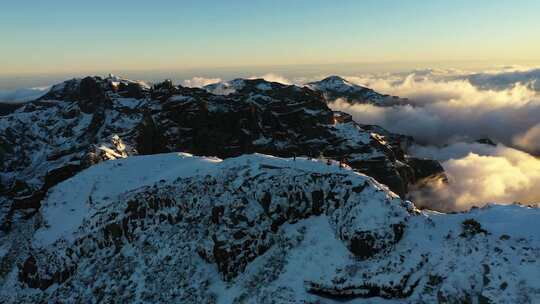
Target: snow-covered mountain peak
<point>335,83</point>
<point>336,87</point>
<point>241,85</point>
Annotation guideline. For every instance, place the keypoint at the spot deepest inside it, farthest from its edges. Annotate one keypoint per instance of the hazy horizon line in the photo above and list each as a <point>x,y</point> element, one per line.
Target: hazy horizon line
<point>487,62</point>
<point>27,79</point>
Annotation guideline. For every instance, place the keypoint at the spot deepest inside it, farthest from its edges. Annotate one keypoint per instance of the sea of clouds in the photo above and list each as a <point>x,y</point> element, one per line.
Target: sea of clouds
<point>445,108</point>
<point>447,111</point>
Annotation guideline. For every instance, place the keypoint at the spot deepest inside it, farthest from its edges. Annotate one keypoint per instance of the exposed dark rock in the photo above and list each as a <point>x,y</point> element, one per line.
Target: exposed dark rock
<point>7,108</point>
<point>471,227</point>
<point>134,90</point>
<point>58,175</point>
<point>425,168</point>
<point>150,138</point>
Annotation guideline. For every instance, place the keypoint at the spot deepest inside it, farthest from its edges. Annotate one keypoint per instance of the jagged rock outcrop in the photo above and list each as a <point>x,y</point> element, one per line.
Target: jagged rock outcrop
<point>83,121</point>
<point>260,229</point>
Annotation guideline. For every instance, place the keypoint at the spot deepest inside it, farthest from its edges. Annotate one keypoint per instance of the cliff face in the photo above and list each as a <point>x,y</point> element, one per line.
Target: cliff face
<point>260,229</point>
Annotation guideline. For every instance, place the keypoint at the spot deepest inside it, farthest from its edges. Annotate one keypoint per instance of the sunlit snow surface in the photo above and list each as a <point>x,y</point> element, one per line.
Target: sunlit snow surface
<point>67,204</point>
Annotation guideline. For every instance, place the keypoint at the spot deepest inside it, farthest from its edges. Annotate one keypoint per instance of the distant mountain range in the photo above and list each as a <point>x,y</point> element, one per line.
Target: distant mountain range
<point>332,88</point>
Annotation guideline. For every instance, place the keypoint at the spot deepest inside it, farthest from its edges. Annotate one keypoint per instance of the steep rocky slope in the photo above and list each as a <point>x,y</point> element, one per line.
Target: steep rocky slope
<point>83,121</point>
<point>173,228</point>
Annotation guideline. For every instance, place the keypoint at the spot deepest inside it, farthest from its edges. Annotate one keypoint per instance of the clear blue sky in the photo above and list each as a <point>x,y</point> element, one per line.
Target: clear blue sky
<point>61,35</point>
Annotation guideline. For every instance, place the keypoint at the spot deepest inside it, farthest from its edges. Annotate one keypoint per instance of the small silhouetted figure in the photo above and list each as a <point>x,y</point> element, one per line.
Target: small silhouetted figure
<point>329,162</point>
<point>294,156</point>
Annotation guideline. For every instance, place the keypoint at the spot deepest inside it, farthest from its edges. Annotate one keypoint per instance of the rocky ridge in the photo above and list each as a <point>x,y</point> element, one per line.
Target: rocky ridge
<point>81,122</point>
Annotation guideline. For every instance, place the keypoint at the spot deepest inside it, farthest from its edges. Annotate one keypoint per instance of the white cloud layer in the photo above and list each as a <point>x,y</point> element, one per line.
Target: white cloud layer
<point>506,79</point>
<point>22,95</point>
<point>529,140</point>
<point>273,78</point>
<point>479,174</point>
